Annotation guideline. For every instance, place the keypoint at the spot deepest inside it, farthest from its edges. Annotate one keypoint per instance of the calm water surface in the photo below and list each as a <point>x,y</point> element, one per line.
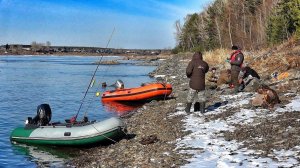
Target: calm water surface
<point>27,81</point>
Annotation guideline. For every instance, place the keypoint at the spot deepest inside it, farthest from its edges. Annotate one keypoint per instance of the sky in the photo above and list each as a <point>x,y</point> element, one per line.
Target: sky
<point>138,24</point>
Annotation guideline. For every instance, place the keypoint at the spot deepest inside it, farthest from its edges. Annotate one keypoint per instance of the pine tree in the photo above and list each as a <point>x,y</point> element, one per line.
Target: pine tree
<point>190,32</point>
<point>284,22</point>
<point>247,23</point>
<point>212,41</point>
<point>295,12</point>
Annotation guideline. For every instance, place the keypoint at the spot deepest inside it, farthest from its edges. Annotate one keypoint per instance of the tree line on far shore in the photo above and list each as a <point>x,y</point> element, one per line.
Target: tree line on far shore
<point>250,24</point>
<point>33,47</point>
<point>44,47</point>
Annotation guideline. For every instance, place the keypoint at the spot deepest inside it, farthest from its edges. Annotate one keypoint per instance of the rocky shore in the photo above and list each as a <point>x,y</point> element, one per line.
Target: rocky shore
<point>230,133</point>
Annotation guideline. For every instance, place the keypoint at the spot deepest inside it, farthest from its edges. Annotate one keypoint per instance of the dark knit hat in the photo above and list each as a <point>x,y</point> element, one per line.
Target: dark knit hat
<point>234,47</point>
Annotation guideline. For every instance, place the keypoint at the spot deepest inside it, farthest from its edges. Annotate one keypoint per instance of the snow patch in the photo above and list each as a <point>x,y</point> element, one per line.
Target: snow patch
<point>209,148</point>
<point>159,76</point>
<point>294,105</point>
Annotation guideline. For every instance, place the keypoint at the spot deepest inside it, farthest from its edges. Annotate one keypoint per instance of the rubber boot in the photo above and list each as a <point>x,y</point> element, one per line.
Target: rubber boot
<point>202,107</point>
<point>188,107</point>
<point>196,107</point>
<point>236,89</point>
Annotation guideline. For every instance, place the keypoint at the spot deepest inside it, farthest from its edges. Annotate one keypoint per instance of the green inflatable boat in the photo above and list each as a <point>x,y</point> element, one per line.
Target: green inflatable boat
<point>39,130</point>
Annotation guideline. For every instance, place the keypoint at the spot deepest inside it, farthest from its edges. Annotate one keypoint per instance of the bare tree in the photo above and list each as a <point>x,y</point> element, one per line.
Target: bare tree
<point>229,30</point>
<point>47,47</point>
<point>36,46</point>
<point>219,33</point>
<point>244,19</point>
<point>48,44</point>
<point>178,32</point>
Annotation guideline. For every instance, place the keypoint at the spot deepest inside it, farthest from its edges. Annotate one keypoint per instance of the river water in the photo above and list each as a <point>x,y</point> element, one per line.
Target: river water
<point>61,81</point>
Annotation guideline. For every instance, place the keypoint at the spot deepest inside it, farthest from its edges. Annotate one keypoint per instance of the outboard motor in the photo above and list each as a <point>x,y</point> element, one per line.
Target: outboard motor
<point>119,84</point>
<point>43,115</point>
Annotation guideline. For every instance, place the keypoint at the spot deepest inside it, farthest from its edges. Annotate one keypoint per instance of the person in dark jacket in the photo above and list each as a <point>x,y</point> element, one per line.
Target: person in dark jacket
<point>246,76</point>
<point>248,73</point>
<point>196,70</point>
<point>236,61</point>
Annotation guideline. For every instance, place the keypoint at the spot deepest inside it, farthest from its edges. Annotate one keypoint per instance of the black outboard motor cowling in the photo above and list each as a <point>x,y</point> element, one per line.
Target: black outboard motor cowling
<point>43,116</point>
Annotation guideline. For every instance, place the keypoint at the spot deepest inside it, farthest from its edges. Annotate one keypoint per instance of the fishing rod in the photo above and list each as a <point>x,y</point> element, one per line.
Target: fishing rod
<point>93,76</point>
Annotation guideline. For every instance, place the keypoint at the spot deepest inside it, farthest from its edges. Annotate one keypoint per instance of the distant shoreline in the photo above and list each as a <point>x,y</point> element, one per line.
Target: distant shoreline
<point>44,49</point>
<point>125,56</point>
<point>67,54</point>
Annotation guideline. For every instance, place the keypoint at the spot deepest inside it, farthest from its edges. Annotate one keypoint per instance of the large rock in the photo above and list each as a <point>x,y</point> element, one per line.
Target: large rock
<point>225,77</point>
<point>266,98</point>
<point>253,85</point>
<point>258,100</point>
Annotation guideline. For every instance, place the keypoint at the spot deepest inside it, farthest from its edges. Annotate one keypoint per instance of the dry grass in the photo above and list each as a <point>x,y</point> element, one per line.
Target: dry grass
<point>279,58</point>
<point>216,57</point>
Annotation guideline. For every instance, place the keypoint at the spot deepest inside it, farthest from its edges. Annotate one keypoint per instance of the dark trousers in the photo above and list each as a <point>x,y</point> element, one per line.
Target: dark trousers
<point>235,78</point>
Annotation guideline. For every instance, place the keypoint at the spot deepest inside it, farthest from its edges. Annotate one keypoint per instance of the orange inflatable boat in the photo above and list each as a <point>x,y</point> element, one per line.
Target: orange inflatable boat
<point>143,93</point>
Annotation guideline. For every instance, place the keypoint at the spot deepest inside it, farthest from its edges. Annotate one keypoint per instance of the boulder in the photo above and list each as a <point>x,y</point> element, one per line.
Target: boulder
<point>253,85</point>
<point>225,77</point>
<point>258,100</point>
<point>266,97</point>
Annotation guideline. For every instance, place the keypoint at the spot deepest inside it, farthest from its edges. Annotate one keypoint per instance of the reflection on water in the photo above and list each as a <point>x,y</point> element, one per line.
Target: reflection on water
<point>60,81</point>
<point>121,108</point>
<point>45,156</point>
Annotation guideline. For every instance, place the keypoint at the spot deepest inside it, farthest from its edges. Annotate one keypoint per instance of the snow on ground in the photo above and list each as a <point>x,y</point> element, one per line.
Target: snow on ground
<point>210,149</point>
<point>159,76</point>
<point>179,111</point>
<point>294,105</point>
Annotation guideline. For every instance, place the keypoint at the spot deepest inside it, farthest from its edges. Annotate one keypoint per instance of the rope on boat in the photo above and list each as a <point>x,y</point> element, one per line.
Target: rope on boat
<point>92,79</point>
<point>165,86</point>
<point>104,135</point>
